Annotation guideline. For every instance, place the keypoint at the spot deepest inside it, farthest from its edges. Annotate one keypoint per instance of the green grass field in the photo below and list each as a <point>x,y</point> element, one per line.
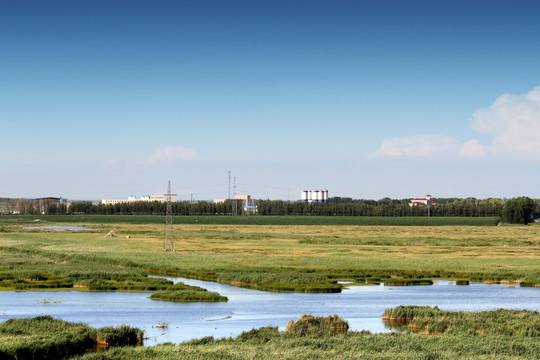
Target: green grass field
<point>278,257</point>
<point>259,220</point>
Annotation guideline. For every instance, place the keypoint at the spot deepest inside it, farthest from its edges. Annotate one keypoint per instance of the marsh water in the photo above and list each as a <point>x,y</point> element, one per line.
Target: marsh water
<point>361,306</point>
<point>58,228</point>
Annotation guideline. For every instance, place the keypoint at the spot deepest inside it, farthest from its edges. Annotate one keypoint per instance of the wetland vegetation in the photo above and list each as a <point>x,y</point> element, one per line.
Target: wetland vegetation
<point>278,255</point>
<point>432,320</point>
<point>273,257</point>
<point>44,337</point>
<point>510,336</point>
<point>187,293</point>
<point>434,334</point>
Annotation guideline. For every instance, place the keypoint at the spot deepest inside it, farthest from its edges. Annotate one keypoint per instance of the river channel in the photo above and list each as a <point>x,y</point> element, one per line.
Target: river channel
<point>361,306</point>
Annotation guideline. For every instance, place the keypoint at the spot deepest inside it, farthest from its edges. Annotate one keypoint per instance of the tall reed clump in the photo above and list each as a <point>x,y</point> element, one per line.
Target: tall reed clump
<point>317,326</point>
<point>407,313</point>
<point>119,336</point>
<point>44,337</point>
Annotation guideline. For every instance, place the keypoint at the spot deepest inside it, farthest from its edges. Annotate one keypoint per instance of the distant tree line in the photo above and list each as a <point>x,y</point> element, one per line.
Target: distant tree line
<point>384,207</point>
<point>337,206</point>
<point>154,208</point>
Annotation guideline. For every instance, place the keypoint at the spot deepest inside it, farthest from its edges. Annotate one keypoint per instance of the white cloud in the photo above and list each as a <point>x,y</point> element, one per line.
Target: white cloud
<point>109,165</point>
<point>167,155</point>
<point>473,149</point>
<point>512,120</point>
<point>418,146</point>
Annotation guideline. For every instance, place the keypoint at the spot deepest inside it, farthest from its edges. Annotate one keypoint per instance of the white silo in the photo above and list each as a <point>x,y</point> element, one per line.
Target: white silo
<point>315,195</point>
<point>305,196</point>
<point>325,196</point>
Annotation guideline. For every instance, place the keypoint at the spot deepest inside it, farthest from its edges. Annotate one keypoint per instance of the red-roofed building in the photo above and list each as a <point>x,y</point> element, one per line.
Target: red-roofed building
<point>422,201</point>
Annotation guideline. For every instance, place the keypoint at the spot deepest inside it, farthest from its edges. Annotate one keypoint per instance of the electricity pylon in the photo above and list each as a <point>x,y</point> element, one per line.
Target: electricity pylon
<point>169,233</point>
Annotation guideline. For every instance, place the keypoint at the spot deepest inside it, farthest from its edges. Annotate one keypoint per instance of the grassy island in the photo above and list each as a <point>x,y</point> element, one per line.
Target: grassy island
<point>187,293</point>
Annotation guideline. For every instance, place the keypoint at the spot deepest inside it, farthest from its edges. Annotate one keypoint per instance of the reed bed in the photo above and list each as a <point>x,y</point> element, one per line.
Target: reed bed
<point>44,337</point>
<point>432,320</point>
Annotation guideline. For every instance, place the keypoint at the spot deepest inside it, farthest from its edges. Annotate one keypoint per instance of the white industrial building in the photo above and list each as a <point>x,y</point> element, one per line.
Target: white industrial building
<point>248,204</point>
<point>132,198</point>
<point>315,196</point>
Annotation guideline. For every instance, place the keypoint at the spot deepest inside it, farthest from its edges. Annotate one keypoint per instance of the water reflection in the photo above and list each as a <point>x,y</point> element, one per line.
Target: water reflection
<point>396,326</point>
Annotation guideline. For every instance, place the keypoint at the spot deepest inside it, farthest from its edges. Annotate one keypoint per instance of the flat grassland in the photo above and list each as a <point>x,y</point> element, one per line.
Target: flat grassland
<point>273,256</point>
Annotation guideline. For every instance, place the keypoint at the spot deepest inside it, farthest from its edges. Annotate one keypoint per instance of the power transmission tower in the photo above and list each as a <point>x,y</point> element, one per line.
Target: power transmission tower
<point>169,233</point>
<point>229,184</point>
<point>234,207</point>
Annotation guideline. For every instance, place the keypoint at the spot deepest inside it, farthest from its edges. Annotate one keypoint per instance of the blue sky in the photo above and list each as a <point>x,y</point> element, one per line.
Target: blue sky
<point>103,99</point>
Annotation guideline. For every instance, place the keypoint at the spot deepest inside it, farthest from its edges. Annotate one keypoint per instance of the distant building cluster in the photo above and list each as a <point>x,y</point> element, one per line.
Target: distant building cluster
<point>315,196</point>
<point>132,198</point>
<point>248,204</point>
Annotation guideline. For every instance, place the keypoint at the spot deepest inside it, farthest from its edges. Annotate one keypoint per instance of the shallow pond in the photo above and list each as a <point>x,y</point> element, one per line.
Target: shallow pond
<point>361,306</point>
<point>58,228</point>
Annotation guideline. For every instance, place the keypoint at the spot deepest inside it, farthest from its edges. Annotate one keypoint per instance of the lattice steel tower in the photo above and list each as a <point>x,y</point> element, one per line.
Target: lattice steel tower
<point>234,207</point>
<point>169,233</point>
